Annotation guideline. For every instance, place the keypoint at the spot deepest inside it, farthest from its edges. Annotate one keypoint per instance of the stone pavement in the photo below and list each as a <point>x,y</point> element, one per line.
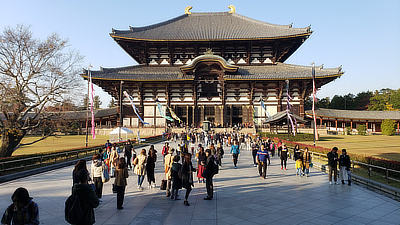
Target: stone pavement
<point>240,197</point>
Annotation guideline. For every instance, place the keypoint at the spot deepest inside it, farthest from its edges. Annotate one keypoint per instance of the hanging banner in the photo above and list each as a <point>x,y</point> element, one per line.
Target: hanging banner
<point>135,110</point>
<point>174,115</point>
<point>265,108</point>
<point>313,105</point>
<point>254,116</point>
<point>161,110</point>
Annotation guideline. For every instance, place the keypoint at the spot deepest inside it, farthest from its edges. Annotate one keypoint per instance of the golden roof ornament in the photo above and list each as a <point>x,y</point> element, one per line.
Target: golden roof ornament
<point>233,9</point>
<point>209,51</point>
<point>187,10</point>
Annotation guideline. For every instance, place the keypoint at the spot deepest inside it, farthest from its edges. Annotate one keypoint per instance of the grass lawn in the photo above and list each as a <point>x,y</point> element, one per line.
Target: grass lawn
<point>381,146</point>
<point>58,143</point>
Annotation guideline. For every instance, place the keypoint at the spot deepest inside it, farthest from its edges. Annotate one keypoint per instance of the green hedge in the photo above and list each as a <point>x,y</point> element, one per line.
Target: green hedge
<point>298,137</point>
<point>388,127</point>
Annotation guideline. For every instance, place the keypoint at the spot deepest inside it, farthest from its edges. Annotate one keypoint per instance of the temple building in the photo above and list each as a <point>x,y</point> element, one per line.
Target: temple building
<point>214,66</point>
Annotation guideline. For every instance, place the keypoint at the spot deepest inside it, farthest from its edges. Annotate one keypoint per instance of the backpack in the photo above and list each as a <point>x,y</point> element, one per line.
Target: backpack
<point>73,210</point>
<point>216,166</point>
<point>105,176</point>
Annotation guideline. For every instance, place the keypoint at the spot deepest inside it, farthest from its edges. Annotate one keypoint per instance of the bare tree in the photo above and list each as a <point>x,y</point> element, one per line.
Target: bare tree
<point>33,73</point>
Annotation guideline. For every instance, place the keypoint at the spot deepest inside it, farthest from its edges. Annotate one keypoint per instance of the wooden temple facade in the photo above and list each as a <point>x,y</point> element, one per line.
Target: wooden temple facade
<point>210,66</point>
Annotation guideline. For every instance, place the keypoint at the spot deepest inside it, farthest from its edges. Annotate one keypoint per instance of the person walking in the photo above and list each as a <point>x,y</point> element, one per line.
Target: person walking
<point>208,174</point>
<point>220,153</point>
<point>87,197</point>
<point>165,149</point>
<point>176,180</point>
<point>150,166</point>
<point>332,164</point>
<point>296,152</point>
<point>299,166</point>
<point>23,210</point>
<point>235,152</point>
<point>201,164</point>
<point>121,173</point>
<point>187,176</point>
<point>306,161</point>
<point>113,160</point>
<point>97,170</point>
<point>167,168</point>
<point>262,159</point>
<point>140,167</point>
<point>284,156</point>
<point>345,165</point>
<point>128,153</point>
<point>254,149</point>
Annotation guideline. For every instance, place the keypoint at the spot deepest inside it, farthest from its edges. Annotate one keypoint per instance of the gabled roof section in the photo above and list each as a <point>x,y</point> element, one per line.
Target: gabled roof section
<point>210,26</point>
<point>210,58</point>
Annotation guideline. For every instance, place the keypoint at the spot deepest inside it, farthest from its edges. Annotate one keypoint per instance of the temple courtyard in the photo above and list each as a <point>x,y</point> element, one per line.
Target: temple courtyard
<point>240,197</point>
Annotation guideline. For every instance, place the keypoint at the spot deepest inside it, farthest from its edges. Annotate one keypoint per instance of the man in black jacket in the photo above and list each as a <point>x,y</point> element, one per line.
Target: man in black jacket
<point>209,173</point>
<point>332,165</point>
<point>128,153</point>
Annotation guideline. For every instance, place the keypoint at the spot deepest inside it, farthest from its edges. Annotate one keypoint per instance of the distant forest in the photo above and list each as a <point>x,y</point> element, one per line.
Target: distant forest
<point>382,100</point>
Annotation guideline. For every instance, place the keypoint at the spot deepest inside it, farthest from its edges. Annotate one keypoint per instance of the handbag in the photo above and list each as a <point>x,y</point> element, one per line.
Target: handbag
<point>206,173</point>
<point>311,164</point>
<point>163,185</point>
<point>114,188</point>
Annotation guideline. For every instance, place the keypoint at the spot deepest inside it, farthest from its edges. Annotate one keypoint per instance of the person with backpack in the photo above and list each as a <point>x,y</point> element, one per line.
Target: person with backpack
<point>176,179</point>
<point>88,200</point>
<point>208,174</point>
<point>121,173</point>
<point>187,176</point>
<point>23,210</point>
<point>97,170</point>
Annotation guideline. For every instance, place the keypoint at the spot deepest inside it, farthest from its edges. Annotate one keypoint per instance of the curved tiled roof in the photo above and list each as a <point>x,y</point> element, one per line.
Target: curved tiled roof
<point>279,71</point>
<point>356,114</point>
<point>210,26</point>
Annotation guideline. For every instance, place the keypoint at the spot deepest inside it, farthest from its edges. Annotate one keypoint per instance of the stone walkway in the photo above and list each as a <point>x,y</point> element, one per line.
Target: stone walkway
<point>241,197</point>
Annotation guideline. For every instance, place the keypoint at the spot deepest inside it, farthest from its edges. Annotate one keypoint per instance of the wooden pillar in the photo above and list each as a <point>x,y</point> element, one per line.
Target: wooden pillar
<point>398,126</point>
<point>320,121</point>
<point>366,124</point>
<point>336,124</point>
<point>223,110</point>
<point>187,115</point>
<point>155,117</point>
<point>196,121</point>
<point>351,125</point>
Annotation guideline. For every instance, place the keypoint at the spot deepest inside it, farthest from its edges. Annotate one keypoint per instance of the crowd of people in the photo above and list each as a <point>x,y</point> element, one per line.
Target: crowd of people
<point>180,171</point>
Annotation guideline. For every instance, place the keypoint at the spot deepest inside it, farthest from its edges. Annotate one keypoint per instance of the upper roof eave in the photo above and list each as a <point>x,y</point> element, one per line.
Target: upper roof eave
<point>214,26</point>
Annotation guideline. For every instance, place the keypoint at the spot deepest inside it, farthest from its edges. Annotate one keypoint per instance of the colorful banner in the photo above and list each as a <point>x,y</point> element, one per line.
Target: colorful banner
<point>161,111</point>
<point>174,115</point>
<point>265,108</point>
<point>136,110</point>
<point>313,104</point>
<point>254,117</point>
<point>92,103</point>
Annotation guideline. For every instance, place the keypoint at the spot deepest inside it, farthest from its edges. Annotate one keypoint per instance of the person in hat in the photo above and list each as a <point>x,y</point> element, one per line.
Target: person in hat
<point>23,210</point>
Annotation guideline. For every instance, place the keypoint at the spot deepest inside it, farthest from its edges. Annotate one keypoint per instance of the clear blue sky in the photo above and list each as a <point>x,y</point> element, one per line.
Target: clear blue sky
<point>361,35</point>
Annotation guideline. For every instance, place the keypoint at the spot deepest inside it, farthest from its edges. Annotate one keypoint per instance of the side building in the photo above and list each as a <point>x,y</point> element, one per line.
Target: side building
<point>215,66</point>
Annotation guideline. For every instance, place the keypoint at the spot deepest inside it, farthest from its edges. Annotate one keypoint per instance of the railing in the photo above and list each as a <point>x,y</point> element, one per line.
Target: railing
<point>377,173</point>
<point>17,165</point>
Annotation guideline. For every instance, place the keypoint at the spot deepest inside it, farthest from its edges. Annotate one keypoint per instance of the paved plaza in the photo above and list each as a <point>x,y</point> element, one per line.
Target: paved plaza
<point>241,197</point>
